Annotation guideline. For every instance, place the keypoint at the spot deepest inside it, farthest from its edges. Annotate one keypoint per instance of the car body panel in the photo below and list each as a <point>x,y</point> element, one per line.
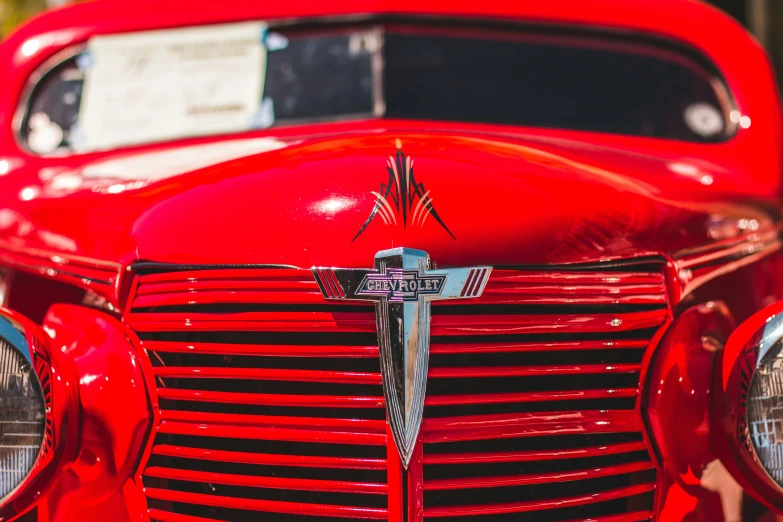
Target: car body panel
<point>300,195</point>
<point>663,180</point>
<point>524,199</point>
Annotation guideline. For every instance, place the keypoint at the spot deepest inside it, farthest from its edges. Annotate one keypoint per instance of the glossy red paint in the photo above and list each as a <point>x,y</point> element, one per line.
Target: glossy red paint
<point>697,266</point>
<point>532,456</point>
<point>35,295</point>
<point>271,350</point>
<point>502,398</point>
<point>269,374</point>
<point>735,365</point>
<point>552,188</point>
<point>252,321</point>
<point>108,438</point>
<point>678,400</point>
<point>87,272</point>
<point>291,508</point>
<point>553,287</point>
<point>260,399</point>
<point>308,423</point>
<point>333,486</point>
<point>265,459</point>
<point>528,425</point>
<point>744,291</point>
<point>524,347</point>
<point>555,180</point>
<point>680,385</point>
<point>555,203</point>
<point>529,371</point>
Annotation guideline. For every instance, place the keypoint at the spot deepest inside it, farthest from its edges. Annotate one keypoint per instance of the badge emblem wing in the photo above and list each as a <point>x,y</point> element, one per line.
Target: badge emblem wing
<point>402,286</point>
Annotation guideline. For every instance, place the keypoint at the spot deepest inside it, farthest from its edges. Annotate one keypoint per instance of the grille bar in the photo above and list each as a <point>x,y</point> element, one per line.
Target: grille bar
<point>264,433</point>
<point>542,324</point>
<point>269,350</point>
<point>515,287</point>
<point>523,397</point>
<point>265,293</point>
<point>530,371</point>
<point>256,321</point>
<point>536,478</point>
<point>269,506</point>
<point>308,423</point>
<point>440,347</point>
<point>239,457</point>
<point>334,486</point>
<point>531,456</point>
<point>270,374</point>
<point>528,425</point>
<point>233,278</point>
<point>537,505</point>
<point>619,282</point>
<point>321,401</point>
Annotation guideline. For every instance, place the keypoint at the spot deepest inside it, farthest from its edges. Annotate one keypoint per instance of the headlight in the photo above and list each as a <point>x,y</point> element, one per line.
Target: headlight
<point>22,417</point>
<point>765,411</point>
<point>38,405</point>
<point>747,405</point>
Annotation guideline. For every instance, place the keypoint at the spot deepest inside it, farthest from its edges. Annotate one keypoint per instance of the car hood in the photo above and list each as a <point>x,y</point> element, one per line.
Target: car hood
<point>467,198</point>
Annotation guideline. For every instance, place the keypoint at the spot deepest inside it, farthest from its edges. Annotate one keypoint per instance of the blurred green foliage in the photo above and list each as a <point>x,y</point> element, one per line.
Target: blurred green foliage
<point>14,12</point>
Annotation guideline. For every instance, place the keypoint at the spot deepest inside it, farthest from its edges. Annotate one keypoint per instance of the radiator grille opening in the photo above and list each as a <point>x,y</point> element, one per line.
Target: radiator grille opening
<point>272,404</point>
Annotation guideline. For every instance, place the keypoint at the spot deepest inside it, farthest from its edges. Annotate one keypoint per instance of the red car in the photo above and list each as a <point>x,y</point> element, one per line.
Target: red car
<point>406,261</point>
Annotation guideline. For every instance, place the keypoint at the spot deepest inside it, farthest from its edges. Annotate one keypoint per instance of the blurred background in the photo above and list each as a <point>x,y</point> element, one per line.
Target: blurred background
<point>764,18</point>
<point>13,12</point>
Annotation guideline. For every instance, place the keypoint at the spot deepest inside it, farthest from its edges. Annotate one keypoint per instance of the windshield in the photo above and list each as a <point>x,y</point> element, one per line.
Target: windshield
<point>587,83</point>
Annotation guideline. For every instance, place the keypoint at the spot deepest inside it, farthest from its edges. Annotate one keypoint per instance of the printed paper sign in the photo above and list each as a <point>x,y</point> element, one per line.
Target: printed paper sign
<point>161,85</point>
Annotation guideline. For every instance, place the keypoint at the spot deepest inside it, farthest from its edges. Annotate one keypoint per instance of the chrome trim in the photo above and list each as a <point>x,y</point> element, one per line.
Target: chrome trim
<point>697,266</point>
<point>771,337</point>
<point>402,286</point>
<point>16,336</point>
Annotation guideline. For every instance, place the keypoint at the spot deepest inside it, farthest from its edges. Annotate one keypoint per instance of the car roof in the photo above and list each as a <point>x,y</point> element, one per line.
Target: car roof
<point>691,21</point>
<point>742,62</point>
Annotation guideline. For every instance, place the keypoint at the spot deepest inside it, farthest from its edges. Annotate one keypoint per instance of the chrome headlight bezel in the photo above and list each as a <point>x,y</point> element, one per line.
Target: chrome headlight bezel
<point>770,349</point>
<point>21,389</point>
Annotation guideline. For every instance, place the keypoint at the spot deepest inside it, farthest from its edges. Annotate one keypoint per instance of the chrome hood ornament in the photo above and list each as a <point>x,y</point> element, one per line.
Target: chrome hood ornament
<point>402,286</point>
